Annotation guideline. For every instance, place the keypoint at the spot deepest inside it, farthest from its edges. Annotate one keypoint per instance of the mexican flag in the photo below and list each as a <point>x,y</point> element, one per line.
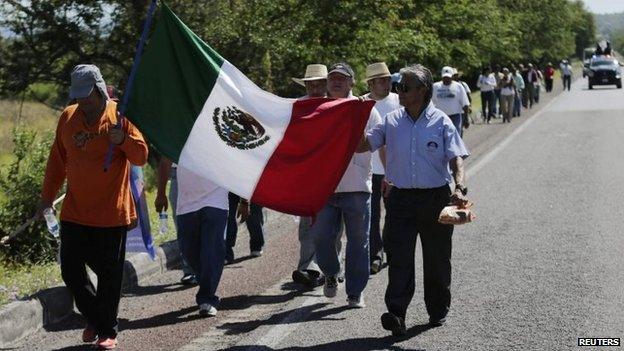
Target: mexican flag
<point>203,113</point>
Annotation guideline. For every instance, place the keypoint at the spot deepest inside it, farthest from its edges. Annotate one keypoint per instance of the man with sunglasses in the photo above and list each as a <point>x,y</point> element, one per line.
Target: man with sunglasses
<point>424,155</point>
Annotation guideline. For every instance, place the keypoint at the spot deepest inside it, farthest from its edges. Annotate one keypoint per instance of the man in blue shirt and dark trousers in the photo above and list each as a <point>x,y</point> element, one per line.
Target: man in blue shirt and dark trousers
<point>424,155</point>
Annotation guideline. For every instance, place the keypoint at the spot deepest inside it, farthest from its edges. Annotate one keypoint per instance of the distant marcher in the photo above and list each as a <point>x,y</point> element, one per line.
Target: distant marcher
<point>168,170</point>
<point>486,83</point>
<point>378,80</point>
<point>451,98</point>
<point>98,207</point>
<point>508,91</point>
<point>517,110</point>
<point>420,189</point>
<point>308,272</point>
<point>549,74</point>
<point>537,85</point>
<point>530,84</point>
<point>351,202</point>
<point>566,74</point>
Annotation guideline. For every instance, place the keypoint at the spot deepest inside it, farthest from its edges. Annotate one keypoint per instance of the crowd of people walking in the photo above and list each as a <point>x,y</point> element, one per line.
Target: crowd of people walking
<point>410,161</point>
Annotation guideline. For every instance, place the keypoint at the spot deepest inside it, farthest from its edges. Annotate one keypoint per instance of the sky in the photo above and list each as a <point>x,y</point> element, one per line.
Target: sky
<point>604,6</point>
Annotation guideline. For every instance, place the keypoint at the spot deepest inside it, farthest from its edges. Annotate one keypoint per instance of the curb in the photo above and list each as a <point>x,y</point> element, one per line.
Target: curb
<point>19,319</point>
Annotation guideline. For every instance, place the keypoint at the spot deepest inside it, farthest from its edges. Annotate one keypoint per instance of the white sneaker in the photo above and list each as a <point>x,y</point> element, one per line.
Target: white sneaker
<point>330,289</point>
<point>257,253</point>
<point>207,310</point>
<point>356,301</point>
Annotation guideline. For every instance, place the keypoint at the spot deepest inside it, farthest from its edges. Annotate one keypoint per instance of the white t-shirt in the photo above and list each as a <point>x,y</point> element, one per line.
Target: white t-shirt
<point>383,106</point>
<point>195,193</point>
<point>451,98</point>
<point>358,176</point>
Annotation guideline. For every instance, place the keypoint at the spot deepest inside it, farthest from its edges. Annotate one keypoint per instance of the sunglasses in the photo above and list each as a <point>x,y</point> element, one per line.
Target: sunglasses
<point>404,88</point>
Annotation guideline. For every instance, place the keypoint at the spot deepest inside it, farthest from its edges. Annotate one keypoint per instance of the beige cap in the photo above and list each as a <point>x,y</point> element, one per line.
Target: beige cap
<point>313,72</point>
<point>377,70</point>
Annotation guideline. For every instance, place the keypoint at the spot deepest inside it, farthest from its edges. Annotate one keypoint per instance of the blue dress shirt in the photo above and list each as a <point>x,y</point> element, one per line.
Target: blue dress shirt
<point>418,152</point>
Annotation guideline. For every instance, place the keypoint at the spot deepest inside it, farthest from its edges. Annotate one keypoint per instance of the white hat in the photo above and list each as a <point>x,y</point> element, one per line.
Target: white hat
<point>377,70</point>
<point>313,72</point>
<point>447,71</point>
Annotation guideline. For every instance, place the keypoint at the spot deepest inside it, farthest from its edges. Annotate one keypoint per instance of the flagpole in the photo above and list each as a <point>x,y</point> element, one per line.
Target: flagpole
<point>124,101</point>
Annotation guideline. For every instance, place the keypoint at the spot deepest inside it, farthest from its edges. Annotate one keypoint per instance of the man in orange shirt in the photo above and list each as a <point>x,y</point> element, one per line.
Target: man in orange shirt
<point>98,207</point>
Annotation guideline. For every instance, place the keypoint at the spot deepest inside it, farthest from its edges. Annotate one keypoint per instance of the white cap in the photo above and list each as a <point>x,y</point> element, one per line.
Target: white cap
<point>447,71</point>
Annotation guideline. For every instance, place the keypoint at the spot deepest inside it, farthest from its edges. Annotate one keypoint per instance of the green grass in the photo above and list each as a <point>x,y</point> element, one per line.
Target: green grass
<point>34,115</point>
<point>18,282</point>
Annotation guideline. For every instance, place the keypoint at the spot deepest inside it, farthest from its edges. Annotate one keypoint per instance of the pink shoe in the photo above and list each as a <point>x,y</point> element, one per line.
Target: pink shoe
<point>106,343</point>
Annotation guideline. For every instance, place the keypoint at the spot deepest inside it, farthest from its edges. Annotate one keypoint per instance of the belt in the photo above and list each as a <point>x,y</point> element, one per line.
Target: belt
<point>420,190</point>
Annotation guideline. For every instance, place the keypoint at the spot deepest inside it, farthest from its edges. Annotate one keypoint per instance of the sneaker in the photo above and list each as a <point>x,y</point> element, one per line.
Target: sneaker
<point>303,278</point>
<point>330,289</point>
<point>89,334</point>
<point>106,343</point>
<point>256,253</point>
<point>356,301</point>
<point>393,323</point>
<point>189,279</point>
<point>437,322</point>
<point>207,310</point>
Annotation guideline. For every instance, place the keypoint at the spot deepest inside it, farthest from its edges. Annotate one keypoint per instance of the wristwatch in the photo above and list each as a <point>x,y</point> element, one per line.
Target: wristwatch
<point>461,188</point>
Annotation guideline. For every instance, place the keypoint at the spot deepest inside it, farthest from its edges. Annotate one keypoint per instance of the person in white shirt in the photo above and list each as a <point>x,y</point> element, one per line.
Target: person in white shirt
<point>450,97</point>
<point>202,213</point>
<point>566,74</point>
<point>378,78</point>
<point>351,202</point>
<point>487,83</point>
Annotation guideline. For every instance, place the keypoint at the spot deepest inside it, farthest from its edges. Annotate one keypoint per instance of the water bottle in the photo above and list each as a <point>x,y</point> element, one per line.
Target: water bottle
<point>51,222</point>
<point>163,223</point>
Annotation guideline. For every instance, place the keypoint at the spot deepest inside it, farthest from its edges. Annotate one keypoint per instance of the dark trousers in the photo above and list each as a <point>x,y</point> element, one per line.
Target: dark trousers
<point>409,213</point>
<point>567,81</point>
<point>254,226</point>
<point>376,245</point>
<point>104,251</point>
<point>488,100</point>
<point>549,84</point>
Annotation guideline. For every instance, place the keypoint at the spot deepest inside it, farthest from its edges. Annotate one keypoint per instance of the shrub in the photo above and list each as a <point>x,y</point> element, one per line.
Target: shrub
<point>21,184</point>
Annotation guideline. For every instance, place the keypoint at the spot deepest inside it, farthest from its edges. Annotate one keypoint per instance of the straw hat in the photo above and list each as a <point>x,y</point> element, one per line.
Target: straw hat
<point>313,72</point>
<point>377,70</point>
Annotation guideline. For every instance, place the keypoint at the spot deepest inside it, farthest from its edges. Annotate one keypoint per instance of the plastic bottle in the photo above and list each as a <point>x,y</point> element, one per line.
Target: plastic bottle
<point>51,222</point>
<point>163,223</point>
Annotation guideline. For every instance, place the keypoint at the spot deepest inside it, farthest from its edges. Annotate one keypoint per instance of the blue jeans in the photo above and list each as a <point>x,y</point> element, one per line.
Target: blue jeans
<point>355,208</point>
<point>254,224</point>
<point>203,245</point>
<point>173,201</point>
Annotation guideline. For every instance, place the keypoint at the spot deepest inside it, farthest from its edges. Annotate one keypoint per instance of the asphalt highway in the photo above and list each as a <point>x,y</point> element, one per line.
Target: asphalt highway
<point>542,266</point>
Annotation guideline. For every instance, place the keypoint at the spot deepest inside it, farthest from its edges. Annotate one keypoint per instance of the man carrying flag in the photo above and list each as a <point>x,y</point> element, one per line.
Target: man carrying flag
<point>98,207</point>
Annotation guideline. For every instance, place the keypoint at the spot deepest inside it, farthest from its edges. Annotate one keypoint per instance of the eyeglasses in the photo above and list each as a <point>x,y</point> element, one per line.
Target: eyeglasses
<point>403,88</point>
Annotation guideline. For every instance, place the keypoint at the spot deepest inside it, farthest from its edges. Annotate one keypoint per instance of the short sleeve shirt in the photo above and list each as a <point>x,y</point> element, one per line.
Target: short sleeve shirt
<point>451,98</point>
<point>418,152</point>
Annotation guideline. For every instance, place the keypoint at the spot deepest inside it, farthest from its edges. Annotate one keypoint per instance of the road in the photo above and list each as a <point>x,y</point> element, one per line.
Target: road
<point>542,266</point>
